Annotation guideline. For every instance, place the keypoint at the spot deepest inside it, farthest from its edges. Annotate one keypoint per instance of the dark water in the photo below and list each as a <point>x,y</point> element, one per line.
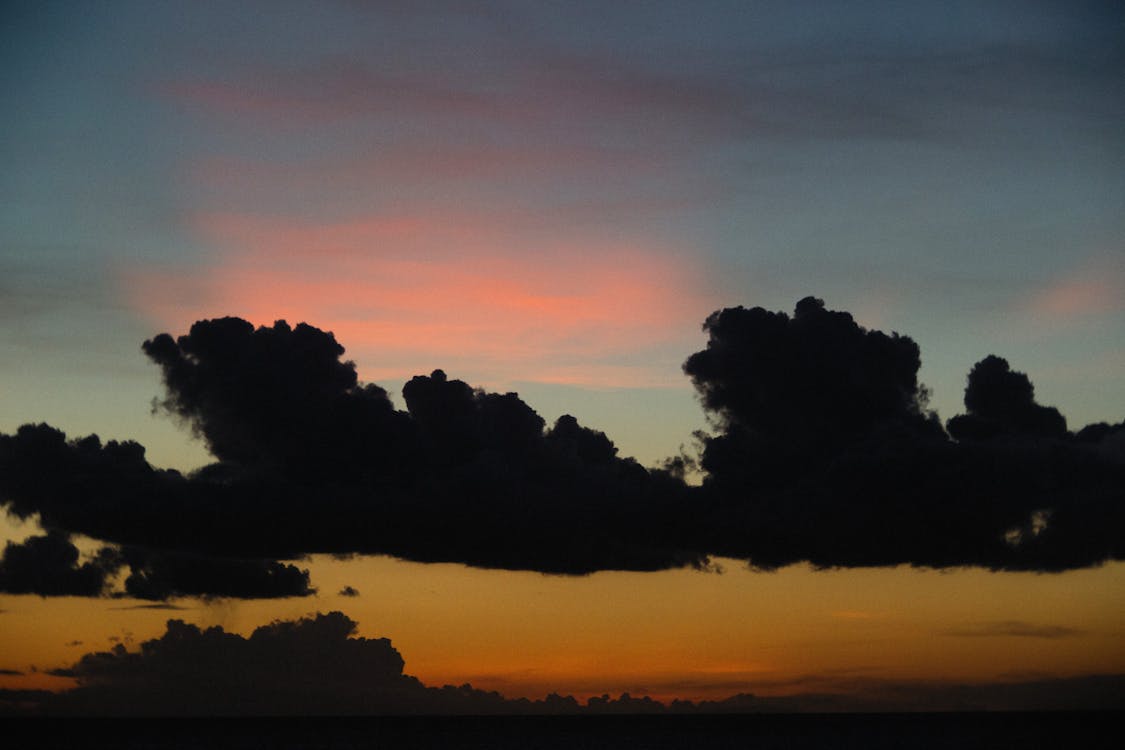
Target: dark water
<point>977,730</point>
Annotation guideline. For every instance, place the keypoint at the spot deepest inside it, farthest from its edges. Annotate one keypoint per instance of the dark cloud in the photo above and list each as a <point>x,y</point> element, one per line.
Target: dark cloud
<point>312,461</point>
<point>823,450</point>
<point>161,605</point>
<point>348,591</point>
<point>280,399</point>
<point>10,672</point>
<point>165,575</point>
<point>48,566</point>
<point>1015,628</point>
<point>1001,402</point>
<point>196,672</point>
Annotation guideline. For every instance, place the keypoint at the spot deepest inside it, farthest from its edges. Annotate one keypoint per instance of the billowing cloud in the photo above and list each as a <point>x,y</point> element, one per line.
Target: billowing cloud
<point>194,671</point>
<point>311,460</point>
<point>823,450</point>
<point>1001,401</point>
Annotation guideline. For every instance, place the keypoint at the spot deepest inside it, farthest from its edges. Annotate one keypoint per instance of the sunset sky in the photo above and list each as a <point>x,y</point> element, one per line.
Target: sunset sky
<point>550,198</point>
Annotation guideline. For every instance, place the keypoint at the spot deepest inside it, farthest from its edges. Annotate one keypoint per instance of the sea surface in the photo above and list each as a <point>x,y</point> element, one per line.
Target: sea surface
<point>1070,730</point>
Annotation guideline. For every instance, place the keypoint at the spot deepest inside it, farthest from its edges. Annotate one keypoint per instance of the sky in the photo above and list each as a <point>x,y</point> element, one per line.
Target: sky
<point>551,199</point>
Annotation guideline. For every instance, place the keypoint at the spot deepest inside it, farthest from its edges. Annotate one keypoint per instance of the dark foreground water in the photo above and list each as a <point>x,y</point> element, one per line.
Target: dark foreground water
<point>1072,731</point>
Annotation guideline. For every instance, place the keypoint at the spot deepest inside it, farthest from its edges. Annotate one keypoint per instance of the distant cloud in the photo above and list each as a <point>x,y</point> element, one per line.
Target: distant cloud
<point>161,605</point>
<point>348,591</point>
<point>10,672</point>
<point>189,671</point>
<point>1013,628</point>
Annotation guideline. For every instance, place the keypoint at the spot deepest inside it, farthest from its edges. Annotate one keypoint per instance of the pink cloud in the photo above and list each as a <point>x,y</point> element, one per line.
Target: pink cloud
<point>1096,289</point>
<point>407,293</point>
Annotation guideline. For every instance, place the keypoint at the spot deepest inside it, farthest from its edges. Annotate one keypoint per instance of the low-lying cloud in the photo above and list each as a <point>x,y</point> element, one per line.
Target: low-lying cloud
<point>190,671</point>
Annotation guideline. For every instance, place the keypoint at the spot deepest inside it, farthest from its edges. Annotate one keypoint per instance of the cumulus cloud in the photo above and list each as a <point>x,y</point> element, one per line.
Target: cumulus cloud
<point>311,460</point>
<point>1001,401</point>
<point>823,450</point>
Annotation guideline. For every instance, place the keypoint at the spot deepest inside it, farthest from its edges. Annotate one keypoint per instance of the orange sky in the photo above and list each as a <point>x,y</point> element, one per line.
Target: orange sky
<point>674,634</point>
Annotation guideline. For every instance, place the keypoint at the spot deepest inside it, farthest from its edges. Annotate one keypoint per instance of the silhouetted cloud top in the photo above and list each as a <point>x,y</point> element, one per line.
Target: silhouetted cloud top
<point>815,376</point>
<point>823,450</point>
<point>193,671</point>
<point>1001,402</point>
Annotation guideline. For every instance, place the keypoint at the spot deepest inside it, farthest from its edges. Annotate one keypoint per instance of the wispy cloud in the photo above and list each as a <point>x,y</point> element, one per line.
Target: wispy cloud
<point>1012,628</point>
<point>158,605</point>
<point>409,291</point>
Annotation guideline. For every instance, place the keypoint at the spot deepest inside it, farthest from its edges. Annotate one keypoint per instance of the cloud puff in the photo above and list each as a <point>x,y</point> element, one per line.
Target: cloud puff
<point>48,566</point>
<point>1001,401</point>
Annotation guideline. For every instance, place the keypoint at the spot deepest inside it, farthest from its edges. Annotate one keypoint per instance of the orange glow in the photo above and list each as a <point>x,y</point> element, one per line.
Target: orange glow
<point>675,634</point>
<point>407,293</point>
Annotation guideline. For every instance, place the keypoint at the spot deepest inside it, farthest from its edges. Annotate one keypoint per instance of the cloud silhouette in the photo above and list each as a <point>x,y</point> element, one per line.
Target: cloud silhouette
<point>823,450</point>
<point>48,566</point>
<point>1001,401</point>
<point>164,575</point>
<point>190,671</point>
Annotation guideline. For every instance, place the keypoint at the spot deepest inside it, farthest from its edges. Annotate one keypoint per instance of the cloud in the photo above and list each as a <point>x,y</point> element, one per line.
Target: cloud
<point>194,671</point>
<point>311,460</point>
<point>161,605</point>
<point>162,575</point>
<point>48,566</point>
<point>823,450</point>
<point>348,591</point>
<point>1002,401</point>
<point>10,672</point>
<point>1013,628</point>
<point>1097,287</point>
<point>189,671</point>
<point>443,287</point>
